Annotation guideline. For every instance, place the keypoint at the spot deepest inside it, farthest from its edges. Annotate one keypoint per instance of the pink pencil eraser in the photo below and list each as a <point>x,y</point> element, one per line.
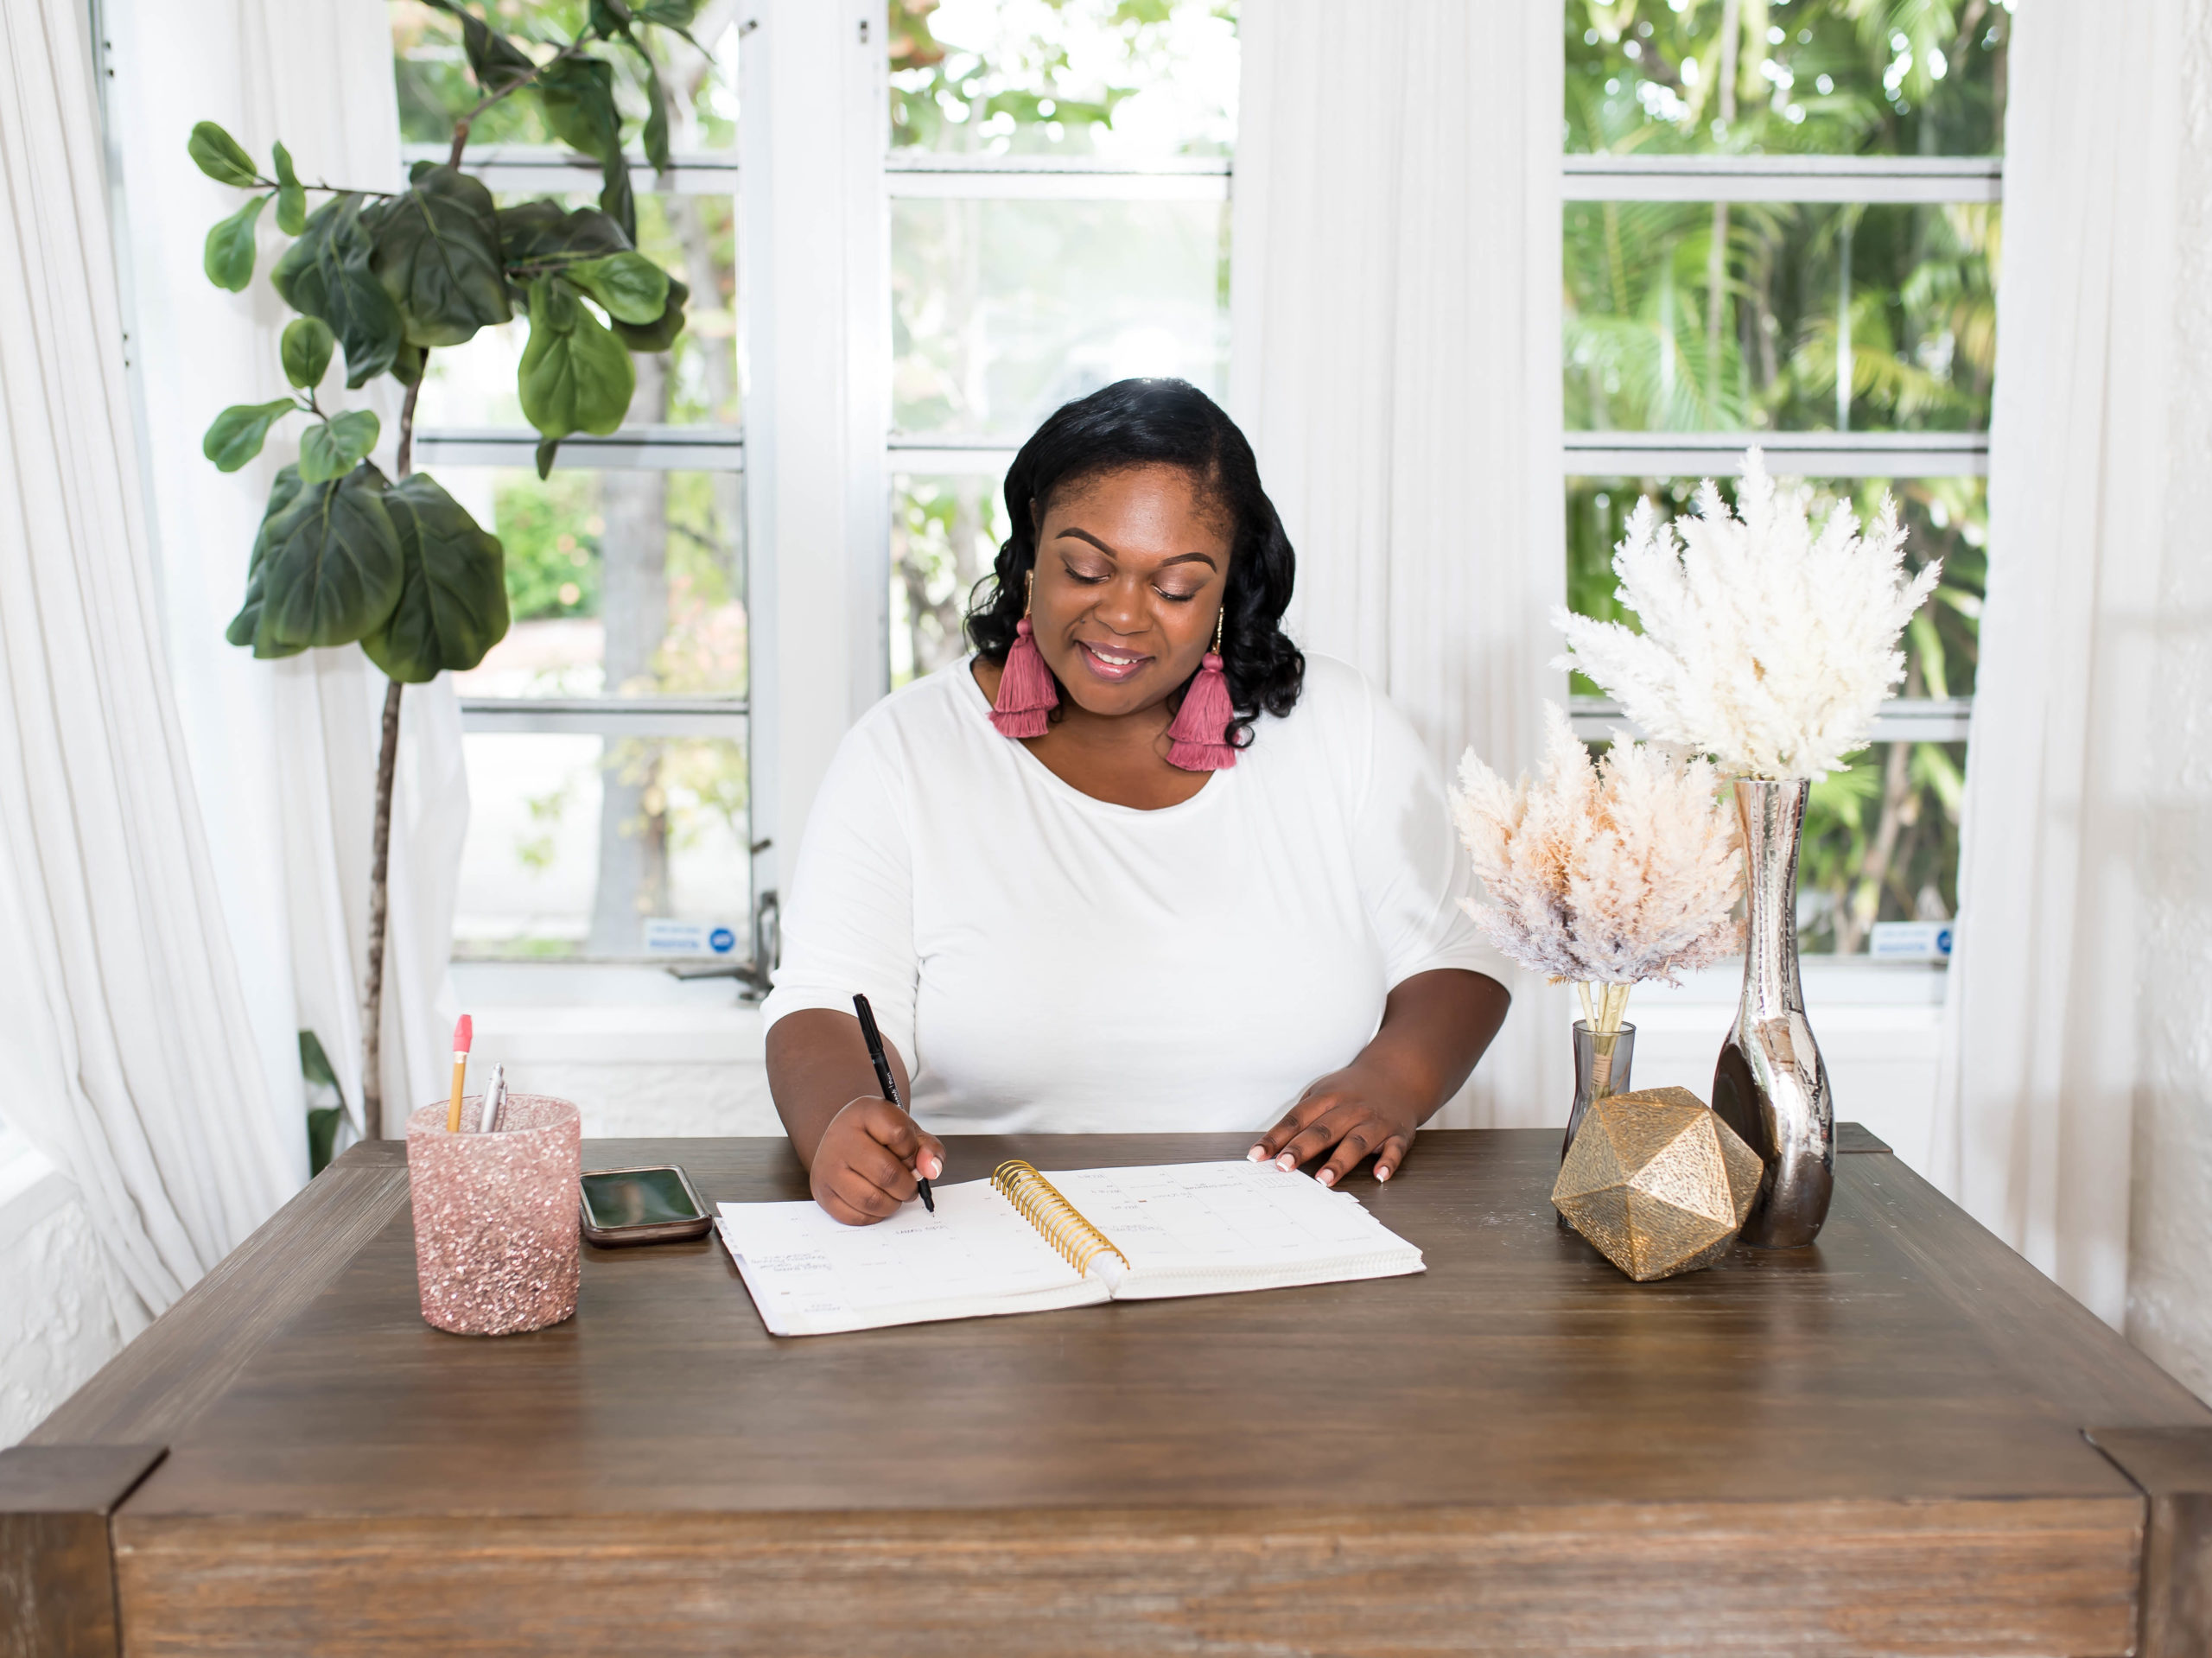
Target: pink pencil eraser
<point>463,1034</point>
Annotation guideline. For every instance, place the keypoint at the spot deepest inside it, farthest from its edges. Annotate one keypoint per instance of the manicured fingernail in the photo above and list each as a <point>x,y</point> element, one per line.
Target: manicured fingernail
<point>1257,1154</point>
<point>1327,1176</point>
<point>1286,1162</point>
<point>1382,1171</point>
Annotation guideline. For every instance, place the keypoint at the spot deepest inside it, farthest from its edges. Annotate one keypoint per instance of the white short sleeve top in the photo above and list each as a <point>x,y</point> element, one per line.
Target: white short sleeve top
<point>1047,961</point>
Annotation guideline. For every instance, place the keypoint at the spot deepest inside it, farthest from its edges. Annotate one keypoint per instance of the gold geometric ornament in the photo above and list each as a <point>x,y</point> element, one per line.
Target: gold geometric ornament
<point>1657,1182</point>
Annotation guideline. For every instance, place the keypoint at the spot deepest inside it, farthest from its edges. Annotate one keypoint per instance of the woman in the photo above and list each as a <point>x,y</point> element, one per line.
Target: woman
<point>1137,863</point>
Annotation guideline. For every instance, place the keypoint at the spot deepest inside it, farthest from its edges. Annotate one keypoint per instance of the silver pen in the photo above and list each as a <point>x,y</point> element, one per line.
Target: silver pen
<point>495,1100</point>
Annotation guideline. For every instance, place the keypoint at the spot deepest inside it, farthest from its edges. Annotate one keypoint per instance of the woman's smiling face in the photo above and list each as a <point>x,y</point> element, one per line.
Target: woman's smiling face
<point>1131,569</point>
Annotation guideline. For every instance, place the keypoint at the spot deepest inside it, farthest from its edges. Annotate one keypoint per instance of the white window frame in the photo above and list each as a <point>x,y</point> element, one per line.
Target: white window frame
<point>813,176</point>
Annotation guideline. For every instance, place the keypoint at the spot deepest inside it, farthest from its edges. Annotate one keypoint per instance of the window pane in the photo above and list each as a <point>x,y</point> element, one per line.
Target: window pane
<point>945,532</point>
<point>620,583</point>
<point>1881,844</point>
<point>1105,78</point>
<point>1004,310</point>
<point>1899,303</point>
<point>434,86</point>
<point>1882,839</point>
<point>575,842</point>
<point>694,383</point>
<point>1840,77</point>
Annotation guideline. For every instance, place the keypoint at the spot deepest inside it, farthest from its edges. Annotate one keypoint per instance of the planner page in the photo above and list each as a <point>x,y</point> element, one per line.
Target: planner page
<point>811,1274</point>
<point>1197,1229</point>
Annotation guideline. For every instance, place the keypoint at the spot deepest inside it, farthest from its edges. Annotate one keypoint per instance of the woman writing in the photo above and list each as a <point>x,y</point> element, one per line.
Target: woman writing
<point>1135,866</point>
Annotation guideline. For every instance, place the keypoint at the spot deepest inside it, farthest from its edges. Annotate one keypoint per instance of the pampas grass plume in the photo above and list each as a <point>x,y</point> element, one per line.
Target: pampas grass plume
<point>1613,872</point>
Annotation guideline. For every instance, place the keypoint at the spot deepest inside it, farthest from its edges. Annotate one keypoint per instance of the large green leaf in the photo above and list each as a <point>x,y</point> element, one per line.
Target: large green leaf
<point>291,196</point>
<point>655,133</point>
<point>236,433</point>
<point>220,156</point>
<point>453,602</point>
<point>228,258</point>
<point>538,238</point>
<point>631,287</point>
<point>578,96</point>
<point>437,251</point>
<point>575,375</point>
<point>495,61</point>
<point>331,446</point>
<point>330,570</point>
<point>659,334</point>
<point>281,493</point>
<point>675,15</point>
<point>325,274</point>
<point>305,349</point>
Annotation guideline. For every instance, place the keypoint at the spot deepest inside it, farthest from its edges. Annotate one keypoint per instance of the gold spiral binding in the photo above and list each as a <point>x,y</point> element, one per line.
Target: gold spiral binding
<point>1037,1201</point>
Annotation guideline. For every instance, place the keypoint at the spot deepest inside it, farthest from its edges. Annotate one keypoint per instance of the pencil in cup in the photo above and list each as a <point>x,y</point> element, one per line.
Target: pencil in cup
<point>464,1034</point>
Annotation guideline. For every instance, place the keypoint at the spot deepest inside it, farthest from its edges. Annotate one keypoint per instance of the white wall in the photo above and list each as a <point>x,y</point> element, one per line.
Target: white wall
<point>56,1324</point>
<point>2170,1218</point>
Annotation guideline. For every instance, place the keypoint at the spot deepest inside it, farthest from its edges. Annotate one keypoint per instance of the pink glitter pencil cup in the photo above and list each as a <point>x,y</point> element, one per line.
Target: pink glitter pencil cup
<point>495,1215</point>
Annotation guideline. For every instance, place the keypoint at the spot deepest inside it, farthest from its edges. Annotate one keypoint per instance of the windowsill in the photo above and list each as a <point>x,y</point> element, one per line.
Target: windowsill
<point>623,1012</point>
<point>1837,981</point>
<point>30,1187</point>
<point>605,1012</point>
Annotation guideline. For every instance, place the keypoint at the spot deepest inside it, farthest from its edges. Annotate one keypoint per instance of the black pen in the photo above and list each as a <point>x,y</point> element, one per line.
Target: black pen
<point>883,1076</point>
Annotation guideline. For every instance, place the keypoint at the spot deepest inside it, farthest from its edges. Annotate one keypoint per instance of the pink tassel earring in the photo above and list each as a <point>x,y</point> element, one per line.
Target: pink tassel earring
<point>1198,741</point>
<point>1026,693</point>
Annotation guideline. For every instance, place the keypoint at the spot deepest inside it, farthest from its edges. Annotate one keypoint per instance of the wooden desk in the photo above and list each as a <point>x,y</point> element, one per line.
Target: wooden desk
<point>1874,1445</point>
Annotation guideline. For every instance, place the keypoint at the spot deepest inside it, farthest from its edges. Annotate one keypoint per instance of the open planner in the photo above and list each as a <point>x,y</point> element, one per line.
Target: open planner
<point>1022,1241</point>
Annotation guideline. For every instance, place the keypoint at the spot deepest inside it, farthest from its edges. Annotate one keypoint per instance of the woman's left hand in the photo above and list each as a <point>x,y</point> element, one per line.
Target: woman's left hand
<point>1358,1112</point>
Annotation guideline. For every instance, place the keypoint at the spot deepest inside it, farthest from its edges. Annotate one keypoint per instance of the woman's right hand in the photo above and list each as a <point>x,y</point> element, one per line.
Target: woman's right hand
<point>865,1162</point>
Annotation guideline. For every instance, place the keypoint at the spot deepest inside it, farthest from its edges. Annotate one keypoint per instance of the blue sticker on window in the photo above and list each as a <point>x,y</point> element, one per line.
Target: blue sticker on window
<point>721,941</point>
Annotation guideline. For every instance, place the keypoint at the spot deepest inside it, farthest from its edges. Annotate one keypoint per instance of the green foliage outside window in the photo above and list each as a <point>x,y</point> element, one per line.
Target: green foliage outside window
<point>1685,317</point>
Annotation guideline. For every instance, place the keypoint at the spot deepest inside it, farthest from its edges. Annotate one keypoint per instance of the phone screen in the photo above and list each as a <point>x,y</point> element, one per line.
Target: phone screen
<point>637,1198</point>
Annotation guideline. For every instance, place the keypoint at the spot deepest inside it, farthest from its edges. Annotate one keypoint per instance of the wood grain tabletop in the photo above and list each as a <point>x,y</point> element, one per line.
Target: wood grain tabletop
<point>1874,1445</point>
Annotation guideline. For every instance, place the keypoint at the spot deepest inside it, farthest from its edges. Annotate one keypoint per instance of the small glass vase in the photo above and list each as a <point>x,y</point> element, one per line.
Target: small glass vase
<point>1601,1067</point>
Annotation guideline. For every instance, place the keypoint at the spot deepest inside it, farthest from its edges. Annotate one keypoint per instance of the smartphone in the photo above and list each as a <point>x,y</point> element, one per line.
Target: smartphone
<point>642,1206</point>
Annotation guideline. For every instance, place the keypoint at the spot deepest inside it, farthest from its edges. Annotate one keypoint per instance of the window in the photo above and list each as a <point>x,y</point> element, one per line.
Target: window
<point>607,734</point>
<point>1059,184</point>
<point>1782,226</point>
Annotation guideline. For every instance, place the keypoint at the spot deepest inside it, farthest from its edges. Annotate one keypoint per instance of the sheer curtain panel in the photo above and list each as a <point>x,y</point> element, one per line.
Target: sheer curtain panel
<point>285,751</point>
<point>126,1054</point>
<point>2080,1017</point>
<point>1394,316</point>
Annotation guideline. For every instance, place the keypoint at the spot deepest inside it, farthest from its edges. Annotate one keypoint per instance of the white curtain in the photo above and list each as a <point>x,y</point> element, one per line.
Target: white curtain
<point>285,752</point>
<point>1395,308</point>
<point>127,1056</point>
<point>2080,1001</point>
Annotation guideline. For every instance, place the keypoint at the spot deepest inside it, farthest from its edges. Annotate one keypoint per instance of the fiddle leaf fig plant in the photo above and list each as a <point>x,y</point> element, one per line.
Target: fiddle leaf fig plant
<point>345,554</point>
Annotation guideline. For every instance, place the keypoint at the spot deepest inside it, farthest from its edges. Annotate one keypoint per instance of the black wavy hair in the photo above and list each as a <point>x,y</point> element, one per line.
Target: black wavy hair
<point>1151,423</point>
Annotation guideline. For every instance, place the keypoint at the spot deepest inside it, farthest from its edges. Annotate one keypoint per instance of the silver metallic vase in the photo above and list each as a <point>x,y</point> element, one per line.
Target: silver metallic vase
<point>1770,1085</point>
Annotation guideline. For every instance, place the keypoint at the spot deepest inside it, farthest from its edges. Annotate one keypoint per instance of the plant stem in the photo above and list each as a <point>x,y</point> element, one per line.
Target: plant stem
<point>461,127</point>
<point>379,861</point>
<point>1603,1017</point>
<point>405,458</point>
<point>380,845</point>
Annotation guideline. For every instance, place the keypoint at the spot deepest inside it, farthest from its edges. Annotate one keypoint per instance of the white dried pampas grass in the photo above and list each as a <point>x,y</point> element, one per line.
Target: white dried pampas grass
<point>1609,873</point>
<point>1763,645</point>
